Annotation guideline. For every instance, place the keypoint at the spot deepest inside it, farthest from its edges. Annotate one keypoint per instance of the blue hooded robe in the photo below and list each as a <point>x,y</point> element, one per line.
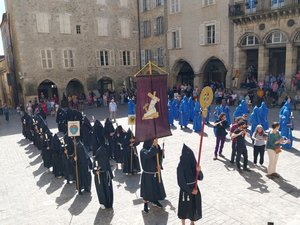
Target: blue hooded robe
<point>184,112</point>
<point>131,107</point>
<point>263,114</point>
<point>171,111</point>
<point>255,119</point>
<point>285,128</point>
<point>191,108</point>
<point>197,121</point>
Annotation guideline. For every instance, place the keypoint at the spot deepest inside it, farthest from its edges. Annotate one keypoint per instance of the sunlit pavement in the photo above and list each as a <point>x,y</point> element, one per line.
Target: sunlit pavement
<point>29,195</point>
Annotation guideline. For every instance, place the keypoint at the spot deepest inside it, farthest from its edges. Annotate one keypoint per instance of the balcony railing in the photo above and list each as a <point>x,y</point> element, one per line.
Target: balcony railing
<point>239,9</point>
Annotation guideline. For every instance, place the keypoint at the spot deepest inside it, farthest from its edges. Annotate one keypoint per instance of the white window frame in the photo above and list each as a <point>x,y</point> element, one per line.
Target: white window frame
<point>175,6</point>
<point>159,3</point>
<point>110,61</point>
<point>146,5</point>
<point>174,38</point>
<point>65,23</point>
<point>146,28</point>
<point>102,26</point>
<point>125,28</point>
<point>160,56</point>
<point>203,39</point>
<point>159,25</point>
<point>130,58</point>
<point>208,2</point>
<point>46,59</point>
<point>42,22</point>
<point>69,58</point>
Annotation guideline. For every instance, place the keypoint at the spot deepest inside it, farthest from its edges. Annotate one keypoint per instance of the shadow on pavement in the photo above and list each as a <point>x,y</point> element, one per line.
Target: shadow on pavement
<point>132,183</point>
<point>155,216</point>
<point>256,182</point>
<point>294,151</point>
<point>24,142</point>
<point>39,171</point>
<point>66,194</point>
<point>287,187</point>
<point>45,179</point>
<point>80,203</point>
<point>36,161</point>
<point>104,216</point>
<point>55,184</point>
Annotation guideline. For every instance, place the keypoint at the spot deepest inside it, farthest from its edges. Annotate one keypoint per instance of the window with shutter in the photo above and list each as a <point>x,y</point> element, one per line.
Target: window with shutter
<point>169,40</point>
<point>160,55</point>
<point>64,23</point>
<point>201,34</point>
<point>102,27</point>
<point>133,58</point>
<point>143,61</point>
<point>125,28</point>
<point>68,56</point>
<point>46,59</point>
<point>42,22</point>
<point>155,56</point>
<point>121,63</point>
<point>98,64</point>
<point>218,33</point>
<point>112,57</point>
<point>175,6</point>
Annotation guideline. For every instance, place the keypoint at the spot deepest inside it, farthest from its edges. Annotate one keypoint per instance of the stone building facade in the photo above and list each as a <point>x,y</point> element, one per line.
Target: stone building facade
<point>267,38</point>
<point>199,39</point>
<point>64,46</point>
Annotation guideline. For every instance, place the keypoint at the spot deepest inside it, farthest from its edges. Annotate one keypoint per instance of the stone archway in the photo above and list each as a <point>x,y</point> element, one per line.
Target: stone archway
<point>74,87</point>
<point>214,71</point>
<point>105,84</point>
<point>184,72</point>
<point>47,89</point>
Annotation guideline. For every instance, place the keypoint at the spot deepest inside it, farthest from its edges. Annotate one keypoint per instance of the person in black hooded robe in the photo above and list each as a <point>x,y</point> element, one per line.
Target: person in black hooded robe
<point>98,136</point>
<point>62,115</point>
<point>46,148</point>
<point>109,131</point>
<point>84,165</point>
<point>57,156</point>
<point>117,143</point>
<point>103,177</point>
<point>131,160</point>
<point>151,188</point>
<point>67,146</point>
<point>26,125</point>
<point>86,133</point>
<point>190,203</point>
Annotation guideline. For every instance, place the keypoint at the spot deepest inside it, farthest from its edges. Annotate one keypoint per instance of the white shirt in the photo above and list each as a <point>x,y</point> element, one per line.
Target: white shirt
<point>112,107</point>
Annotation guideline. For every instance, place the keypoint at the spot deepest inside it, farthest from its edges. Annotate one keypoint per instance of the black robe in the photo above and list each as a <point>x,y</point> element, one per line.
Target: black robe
<point>131,159</point>
<point>86,133</point>
<point>57,156</point>
<point>67,146</point>
<point>151,189</point>
<point>61,119</point>
<point>117,144</point>
<point>46,148</point>
<point>108,133</point>
<point>189,206</point>
<point>103,182</point>
<point>98,138</point>
<point>84,165</point>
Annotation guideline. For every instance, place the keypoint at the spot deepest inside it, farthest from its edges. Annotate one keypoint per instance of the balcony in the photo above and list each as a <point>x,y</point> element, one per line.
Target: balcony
<point>239,14</point>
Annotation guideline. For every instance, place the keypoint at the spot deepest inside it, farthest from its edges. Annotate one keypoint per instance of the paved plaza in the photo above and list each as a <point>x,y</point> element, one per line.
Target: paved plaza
<point>29,195</point>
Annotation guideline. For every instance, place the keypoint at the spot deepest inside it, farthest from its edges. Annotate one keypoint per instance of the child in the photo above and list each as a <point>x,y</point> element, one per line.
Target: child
<point>259,137</point>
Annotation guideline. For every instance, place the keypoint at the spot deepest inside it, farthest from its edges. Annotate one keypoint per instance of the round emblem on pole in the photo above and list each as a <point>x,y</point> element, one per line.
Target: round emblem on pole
<point>206,98</point>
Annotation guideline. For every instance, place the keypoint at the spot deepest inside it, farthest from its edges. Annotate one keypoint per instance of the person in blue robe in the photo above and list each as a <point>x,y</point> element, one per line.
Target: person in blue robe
<point>207,116</point>
<point>184,112</point>
<point>131,107</point>
<point>171,111</point>
<point>222,108</point>
<point>241,109</point>
<point>191,104</point>
<point>286,128</point>
<point>176,105</point>
<point>255,120</point>
<point>263,114</point>
<point>197,121</point>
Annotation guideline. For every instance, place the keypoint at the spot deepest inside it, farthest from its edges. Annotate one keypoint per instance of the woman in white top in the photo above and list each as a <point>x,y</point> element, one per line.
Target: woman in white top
<point>259,137</point>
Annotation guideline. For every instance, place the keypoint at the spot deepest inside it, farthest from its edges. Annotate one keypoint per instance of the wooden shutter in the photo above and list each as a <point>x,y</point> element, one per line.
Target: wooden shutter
<point>133,58</point>
<point>67,23</point>
<point>143,60</point>
<point>180,37</point>
<point>121,58</point>
<point>169,39</point>
<point>112,58</point>
<point>202,34</point>
<point>217,28</point>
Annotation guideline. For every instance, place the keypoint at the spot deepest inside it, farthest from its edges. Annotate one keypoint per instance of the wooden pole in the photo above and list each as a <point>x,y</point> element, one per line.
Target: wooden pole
<point>76,163</point>
<point>200,150</point>
<point>157,156</point>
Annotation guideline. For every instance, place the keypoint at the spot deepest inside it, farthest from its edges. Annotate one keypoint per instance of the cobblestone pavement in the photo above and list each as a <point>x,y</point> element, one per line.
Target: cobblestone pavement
<point>29,195</point>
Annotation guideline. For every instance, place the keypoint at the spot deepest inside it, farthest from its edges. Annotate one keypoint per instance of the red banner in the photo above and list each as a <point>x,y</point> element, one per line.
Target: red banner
<point>151,108</point>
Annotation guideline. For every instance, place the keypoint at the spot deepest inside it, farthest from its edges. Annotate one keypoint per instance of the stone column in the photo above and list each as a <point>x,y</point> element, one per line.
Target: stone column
<point>290,63</point>
<point>263,62</point>
<point>240,61</point>
<point>198,80</point>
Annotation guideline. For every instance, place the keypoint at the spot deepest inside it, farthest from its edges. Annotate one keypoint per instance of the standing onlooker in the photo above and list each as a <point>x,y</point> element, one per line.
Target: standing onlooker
<point>239,134</point>
<point>6,112</point>
<point>259,137</point>
<point>273,148</point>
<point>112,110</point>
<point>234,126</point>
<point>220,131</point>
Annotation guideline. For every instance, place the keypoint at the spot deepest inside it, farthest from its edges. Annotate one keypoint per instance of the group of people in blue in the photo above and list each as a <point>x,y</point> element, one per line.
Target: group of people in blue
<point>188,110</point>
